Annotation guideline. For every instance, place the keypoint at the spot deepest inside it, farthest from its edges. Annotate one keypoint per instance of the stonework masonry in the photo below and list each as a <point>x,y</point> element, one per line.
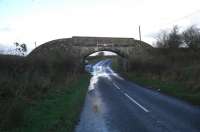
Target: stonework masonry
<point>83,46</point>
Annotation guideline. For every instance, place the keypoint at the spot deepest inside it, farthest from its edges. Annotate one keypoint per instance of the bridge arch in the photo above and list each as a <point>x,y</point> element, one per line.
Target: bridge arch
<point>116,51</point>
<point>80,47</point>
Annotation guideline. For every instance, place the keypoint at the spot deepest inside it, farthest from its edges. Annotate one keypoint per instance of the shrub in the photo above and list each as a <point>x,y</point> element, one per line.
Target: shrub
<point>25,79</point>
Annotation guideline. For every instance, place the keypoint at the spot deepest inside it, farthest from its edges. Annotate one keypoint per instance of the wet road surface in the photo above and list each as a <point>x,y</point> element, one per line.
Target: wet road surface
<point>117,105</point>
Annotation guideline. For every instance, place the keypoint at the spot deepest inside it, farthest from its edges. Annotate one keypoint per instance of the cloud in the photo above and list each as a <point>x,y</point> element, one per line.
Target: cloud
<point>44,20</point>
<point>3,47</point>
<point>5,29</point>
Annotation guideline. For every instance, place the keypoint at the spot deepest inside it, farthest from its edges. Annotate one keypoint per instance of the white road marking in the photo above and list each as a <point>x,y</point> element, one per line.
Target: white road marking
<point>99,66</point>
<point>116,86</point>
<point>134,101</point>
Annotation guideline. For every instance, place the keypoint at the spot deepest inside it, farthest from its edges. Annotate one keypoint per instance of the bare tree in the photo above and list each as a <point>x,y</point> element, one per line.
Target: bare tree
<point>169,40</point>
<point>174,38</point>
<point>191,37</point>
<point>162,39</point>
<point>21,49</point>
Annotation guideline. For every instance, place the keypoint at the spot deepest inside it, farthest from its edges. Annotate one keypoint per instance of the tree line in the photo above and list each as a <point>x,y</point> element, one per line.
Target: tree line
<point>190,38</point>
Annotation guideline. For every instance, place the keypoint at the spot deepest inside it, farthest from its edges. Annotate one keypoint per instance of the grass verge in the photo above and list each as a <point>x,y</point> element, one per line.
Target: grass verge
<point>59,110</point>
<point>176,89</point>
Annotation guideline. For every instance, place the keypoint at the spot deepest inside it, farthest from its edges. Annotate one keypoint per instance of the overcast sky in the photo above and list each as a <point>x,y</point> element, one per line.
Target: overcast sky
<point>44,20</point>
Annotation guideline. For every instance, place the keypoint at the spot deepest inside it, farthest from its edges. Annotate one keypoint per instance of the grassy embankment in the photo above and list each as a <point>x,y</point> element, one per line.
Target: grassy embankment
<point>175,72</point>
<point>40,95</point>
<point>59,110</point>
<point>173,88</point>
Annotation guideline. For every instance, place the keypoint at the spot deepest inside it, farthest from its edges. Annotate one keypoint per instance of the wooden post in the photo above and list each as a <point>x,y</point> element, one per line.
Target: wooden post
<point>35,44</point>
<point>140,34</point>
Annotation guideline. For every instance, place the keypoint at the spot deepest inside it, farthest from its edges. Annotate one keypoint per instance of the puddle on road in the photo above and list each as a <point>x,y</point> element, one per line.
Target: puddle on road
<point>101,71</point>
<point>95,77</point>
<point>92,116</point>
<point>93,82</point>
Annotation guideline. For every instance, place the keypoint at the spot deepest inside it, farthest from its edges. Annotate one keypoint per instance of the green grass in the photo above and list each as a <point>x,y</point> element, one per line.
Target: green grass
<point>39,94</point>
<point>58,111</point>
<point>115,65</point>
<point>176,89</point>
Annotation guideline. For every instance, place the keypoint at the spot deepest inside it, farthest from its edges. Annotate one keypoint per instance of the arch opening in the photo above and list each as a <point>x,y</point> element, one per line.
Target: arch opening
<point>119,61</point>
<point>114,51</point>
<point>103,54</point>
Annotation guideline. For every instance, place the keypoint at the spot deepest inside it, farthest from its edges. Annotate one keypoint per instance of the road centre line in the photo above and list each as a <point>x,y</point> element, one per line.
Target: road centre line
<point>116,86</point>
<point>134,101</point>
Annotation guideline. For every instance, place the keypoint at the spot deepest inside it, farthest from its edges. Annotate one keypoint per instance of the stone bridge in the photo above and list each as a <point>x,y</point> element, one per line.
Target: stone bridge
<point>81,47</point>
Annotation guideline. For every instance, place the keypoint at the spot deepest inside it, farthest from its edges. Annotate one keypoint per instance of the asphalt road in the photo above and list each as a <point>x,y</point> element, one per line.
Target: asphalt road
<point>117,105</point>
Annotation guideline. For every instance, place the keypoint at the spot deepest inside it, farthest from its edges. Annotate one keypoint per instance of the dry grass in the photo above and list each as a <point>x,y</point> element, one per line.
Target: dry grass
<point>23,80</point>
